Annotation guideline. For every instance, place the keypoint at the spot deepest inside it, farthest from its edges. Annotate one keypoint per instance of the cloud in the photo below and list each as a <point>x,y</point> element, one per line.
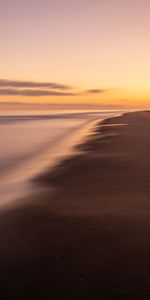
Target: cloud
<point>37,89</point>
<point>96,91</point>
<point>32,84</point>
<point>33,92</point>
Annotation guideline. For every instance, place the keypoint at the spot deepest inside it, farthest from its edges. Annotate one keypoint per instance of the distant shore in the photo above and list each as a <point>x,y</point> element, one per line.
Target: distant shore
<point>88,237</point>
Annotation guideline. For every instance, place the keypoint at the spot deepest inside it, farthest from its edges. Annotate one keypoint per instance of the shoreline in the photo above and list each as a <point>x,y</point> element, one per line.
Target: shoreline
<point>80,138</point>
<point>69,146</point>
<point>22,178</point>
<point>77,148</point>
<point>90,238</point>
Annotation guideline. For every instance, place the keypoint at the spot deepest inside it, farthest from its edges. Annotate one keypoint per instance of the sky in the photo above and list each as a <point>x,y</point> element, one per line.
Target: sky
<point>83,51</point>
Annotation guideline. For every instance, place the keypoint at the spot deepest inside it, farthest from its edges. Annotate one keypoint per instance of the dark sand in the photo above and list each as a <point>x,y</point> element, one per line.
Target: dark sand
<point>90,238</point>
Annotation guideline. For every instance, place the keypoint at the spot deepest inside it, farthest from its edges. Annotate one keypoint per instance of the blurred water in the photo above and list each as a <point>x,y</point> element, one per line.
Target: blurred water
<point>32,142</point>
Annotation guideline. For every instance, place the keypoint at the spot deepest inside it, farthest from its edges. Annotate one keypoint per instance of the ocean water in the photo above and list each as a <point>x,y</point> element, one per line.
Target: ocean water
<point>31,142</point>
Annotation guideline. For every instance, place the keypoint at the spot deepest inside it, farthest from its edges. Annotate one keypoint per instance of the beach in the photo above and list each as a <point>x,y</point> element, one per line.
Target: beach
<point>33,141</point>
<point>86,233</point>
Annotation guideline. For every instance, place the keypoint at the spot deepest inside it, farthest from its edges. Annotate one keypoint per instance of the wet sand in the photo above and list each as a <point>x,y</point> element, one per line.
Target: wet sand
<point>90,237</point>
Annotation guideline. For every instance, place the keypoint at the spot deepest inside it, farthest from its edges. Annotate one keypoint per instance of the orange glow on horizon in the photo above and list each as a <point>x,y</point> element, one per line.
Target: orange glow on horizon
<point>84,44</point>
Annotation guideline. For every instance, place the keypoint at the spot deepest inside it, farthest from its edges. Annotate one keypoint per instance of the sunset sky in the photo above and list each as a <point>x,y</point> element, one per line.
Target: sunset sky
<point>75,51</point>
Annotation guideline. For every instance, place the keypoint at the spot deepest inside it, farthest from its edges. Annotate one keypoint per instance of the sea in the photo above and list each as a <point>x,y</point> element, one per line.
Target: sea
<point>32,141</point>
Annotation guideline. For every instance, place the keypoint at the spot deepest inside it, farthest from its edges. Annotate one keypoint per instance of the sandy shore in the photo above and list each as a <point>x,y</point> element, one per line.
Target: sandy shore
<point>90,238</point>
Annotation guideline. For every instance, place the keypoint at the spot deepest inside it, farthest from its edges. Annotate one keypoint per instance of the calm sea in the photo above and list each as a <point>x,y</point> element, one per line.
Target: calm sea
<point>31,141</point>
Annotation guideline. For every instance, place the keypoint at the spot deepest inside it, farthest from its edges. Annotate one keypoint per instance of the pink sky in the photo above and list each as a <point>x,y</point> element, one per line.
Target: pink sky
<point>83,43</point>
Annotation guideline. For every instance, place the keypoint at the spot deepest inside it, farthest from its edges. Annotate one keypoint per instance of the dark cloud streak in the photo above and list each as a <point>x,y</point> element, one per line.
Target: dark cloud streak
<point>37,89</point>
<point>96,91</point>
<point>32,84</point>
<point>33,93</point>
